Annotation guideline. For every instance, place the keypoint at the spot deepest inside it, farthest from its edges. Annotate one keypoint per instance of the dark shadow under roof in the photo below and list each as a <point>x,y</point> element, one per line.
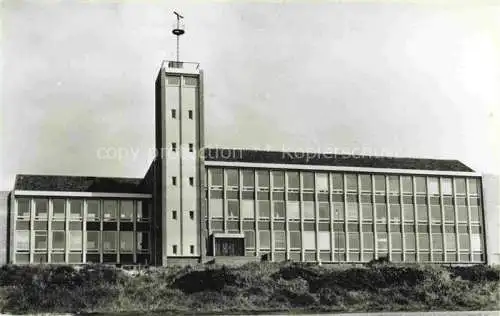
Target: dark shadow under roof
<point>330,159</point>
<point>77,184</point>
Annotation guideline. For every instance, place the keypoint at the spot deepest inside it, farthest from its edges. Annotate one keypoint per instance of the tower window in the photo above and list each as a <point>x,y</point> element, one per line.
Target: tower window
<point>191,214</point>
<point>190,114</point>
<point>174,249</point>
<point>191,249</point>
<point>174,214</point>
<point>191,147</point>
<point>191,181</point>
<point>174,113</point>
<point>174,180</point>
<point>174,147</point>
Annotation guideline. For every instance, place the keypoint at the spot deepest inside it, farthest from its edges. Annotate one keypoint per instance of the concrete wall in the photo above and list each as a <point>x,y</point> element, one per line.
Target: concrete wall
<point>4,227</point>
<point>491,193</point>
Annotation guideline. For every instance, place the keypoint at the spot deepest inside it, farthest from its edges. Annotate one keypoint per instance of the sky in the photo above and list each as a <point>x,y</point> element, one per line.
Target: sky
<point>377,78</point>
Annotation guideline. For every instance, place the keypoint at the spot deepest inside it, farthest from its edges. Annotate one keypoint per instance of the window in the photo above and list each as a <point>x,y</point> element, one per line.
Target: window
<point>93,241</point>
<point>173,146</point>
<point>233,208</point>
<point>420,185</point>
<point>279,240</point>
<point>475,215</point>
<point>407,184</point>
<point>408,212</point>
<point>351,182</point>
<point>191,249</point>
<point>410,243</point>
<point>381,212</point>
<point>216,177</point>
<point>173,113</point>
<point>174,214</point>
<point>58,209</point>
<point>436,213</point>
<point>249,239</point>
<point>324,240</point>
<point>278,179</point>
<point>126,241</point>
<point>322,182</point>
<point>354,240</point>
<point>190,114</point>
<point>295,240</point>
<point>174,180</point>
<point>423,241</point>
<point>366,182</point>
<point>309,210</point>
<point>379,183</point>
<point>247,209</point>
<point>293,180</point>
<point>338,211</point>
<point>368,241</point>
<point>191,215</point>
<point>462,213</point>
<point>308,180</point>
<point>191,147</point>
<point>142,241</point>
<point>41,208</point>
<point>451,241</point>
<point>464,241</point>
<point>367,212</point>
<point>22,240</point>
<point>309,240</point>
<point>109,241</point>
<point>394,184</point>
<point>232,177</point>
<point>142,211</point>
<point>23,208</point>
<point>215,207</point>
<point>395,212</point>
<point>339,239</point>
<point>422,211</point>
<point>382,240</point>
<point>352,211</point>
<point>338,182</point>
<point>446,186</point>
<point>293,209</point>
<point>473,186</point>
<point>58,240</point>
<point>476,242</point>
<point>109,209</point>
<point>263,178</point>
<point>279,209</point>
<point>437,242</point>
<point>248,178</point>
<point>174,249</point>
<point>264,239</point>
<point>324,210</point>
<point>396,241</point>
<point>264,209</point>
<point>433,186</point>
<point>460,186</point>
<point>41,240</point>
<point>75,240</point>
<point>127,210</point>
<point>191,181</point>
<point>93,212</point>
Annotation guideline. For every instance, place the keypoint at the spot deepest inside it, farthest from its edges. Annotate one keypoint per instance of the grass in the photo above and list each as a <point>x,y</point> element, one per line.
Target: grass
<point>252,288</point>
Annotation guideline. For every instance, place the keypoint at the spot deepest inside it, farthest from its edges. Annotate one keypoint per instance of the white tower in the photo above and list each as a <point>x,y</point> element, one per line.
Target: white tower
<point>179,138</point>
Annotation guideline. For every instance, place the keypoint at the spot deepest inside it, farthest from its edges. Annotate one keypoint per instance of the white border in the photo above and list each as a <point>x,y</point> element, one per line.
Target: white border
<point>338,168</point>
<point>82,194</point>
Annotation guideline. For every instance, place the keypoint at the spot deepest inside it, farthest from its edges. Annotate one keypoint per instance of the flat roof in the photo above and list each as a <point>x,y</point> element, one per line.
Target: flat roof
<point>28,182</point>
<point>330,159</point>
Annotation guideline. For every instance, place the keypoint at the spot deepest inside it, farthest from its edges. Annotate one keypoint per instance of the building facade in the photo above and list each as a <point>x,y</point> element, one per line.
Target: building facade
<point>198,204</point>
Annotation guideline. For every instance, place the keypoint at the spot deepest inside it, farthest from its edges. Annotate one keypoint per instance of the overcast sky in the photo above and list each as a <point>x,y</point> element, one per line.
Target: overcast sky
<point>374,78</point>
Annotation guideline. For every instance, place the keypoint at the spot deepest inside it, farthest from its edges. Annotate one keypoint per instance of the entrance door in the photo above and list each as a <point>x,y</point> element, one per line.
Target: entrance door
<point>229,247</point>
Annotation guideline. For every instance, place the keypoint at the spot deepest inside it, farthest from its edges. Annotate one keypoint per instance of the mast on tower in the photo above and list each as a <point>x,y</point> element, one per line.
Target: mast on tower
<point>178,31</point>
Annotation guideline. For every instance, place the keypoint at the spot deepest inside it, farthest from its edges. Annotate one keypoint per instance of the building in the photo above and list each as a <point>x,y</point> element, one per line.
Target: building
<point>198,204</point>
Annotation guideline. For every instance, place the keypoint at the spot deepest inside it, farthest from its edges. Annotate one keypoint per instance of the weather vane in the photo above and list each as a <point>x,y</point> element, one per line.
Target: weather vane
<point>178,31</point>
